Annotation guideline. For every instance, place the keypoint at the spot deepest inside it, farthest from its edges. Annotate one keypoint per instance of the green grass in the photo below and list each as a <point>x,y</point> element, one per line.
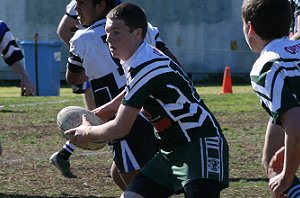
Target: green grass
<point>29,136</point>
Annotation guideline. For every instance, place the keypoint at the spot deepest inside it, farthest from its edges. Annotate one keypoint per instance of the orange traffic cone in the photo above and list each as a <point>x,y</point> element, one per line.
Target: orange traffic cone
<point>227,83</point>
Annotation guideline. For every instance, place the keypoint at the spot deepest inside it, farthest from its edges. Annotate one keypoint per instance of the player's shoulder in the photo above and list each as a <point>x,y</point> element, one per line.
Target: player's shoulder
<point>152,29</point>
<point>3,28</point>
<point>83,34</point>
<point>148,53</point>
<point>3,25</point>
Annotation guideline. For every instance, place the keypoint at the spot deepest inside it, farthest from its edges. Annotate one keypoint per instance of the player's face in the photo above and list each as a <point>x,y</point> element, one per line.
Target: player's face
<point>87,13</point>
<point>121,40</point>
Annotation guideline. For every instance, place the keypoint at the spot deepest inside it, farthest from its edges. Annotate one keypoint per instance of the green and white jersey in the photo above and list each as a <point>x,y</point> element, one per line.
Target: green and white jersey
<point>275,76</point>
<point>167,97</point>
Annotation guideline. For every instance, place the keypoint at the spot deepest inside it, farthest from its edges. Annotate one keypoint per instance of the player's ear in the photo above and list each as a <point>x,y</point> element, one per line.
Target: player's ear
<point>138,32</point>
<point>101,6</point>
<point>251,29</point>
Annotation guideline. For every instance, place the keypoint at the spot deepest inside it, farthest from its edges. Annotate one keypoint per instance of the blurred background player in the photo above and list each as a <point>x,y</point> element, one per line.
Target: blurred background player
<point>275,78</point>
<point>295,24</point>
<point>65,30</point>
<point>90,59</point>
<point>13,56</point>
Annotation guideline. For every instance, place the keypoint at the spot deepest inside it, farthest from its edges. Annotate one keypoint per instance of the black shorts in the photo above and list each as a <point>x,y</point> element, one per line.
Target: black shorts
<point>134,150</point>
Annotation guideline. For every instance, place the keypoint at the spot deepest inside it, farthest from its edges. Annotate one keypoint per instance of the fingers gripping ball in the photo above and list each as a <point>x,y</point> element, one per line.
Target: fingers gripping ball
<point>71,117</point>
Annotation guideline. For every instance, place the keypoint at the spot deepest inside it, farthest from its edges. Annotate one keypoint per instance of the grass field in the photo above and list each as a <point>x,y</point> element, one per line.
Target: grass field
<point>29,136</point>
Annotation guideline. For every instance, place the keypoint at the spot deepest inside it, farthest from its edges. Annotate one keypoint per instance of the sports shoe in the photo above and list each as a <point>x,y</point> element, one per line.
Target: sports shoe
<point>62,165</point>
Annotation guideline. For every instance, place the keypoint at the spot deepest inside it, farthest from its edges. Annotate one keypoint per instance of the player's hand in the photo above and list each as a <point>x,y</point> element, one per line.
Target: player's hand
<point>27,88</point>
<point>79,135</point>
<point>278,185</point>
<point>276,163</point>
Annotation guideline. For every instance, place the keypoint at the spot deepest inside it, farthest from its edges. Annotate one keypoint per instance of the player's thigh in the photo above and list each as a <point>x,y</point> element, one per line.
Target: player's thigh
<point>128,177</point>
<point>274,140</point>
<point>148,188</point>
<point>115,175</point>
<point>137,148</point>
<point>202,188</point>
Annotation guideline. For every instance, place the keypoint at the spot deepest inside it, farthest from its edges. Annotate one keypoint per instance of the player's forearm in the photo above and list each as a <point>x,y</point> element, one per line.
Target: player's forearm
<point>292,158</point>
<point>75,78</point>
<point>117,128</point>
<point>19,69</point>
<point>291,127</point>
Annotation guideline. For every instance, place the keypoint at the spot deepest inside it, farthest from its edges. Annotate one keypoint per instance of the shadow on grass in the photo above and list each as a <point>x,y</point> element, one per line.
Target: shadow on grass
<point>248,179</point>
<point>36,196</point>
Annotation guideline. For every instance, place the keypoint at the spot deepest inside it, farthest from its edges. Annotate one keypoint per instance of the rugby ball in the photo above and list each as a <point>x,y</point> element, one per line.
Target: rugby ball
<point>71,117</point>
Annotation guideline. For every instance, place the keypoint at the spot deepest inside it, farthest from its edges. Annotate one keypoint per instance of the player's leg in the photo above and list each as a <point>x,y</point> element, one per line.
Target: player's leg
<point>88,99</point>
<point>274,140</point>
<point>61,160</point>
<point>114,172</point>
<point>204,188</point>
<point>88,96</point>
<point>143,187</point>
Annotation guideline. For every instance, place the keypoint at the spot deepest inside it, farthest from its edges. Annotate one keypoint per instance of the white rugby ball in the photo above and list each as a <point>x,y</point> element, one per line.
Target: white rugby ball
<point>71,117</point>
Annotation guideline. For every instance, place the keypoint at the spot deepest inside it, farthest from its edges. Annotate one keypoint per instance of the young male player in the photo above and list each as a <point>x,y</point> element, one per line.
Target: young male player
<point>193,156</point>
<point>90,59</point>
<point>65,30</point>
<point>275,78</point>
<point>13,57</point>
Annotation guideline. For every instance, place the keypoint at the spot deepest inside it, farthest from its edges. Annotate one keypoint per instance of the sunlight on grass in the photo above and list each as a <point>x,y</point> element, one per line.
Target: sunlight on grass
<point>16,91</point>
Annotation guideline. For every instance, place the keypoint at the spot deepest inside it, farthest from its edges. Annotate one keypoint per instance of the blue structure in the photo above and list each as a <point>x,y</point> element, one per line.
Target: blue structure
<point>42,62</point>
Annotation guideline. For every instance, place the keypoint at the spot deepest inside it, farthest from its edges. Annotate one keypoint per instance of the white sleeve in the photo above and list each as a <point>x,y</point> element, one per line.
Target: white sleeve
<point>70,9</point>
<point>152,35</point>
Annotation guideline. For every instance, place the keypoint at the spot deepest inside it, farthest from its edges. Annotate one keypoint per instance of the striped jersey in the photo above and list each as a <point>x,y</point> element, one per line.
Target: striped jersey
<point>275,77</point>
<point>167,97</point>
<point>9,48</point>
<point>89,52</point>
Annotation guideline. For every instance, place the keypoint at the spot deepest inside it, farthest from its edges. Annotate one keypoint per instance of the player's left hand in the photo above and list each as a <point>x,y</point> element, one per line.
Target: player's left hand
<point>276,163</point>
<point>79,135</point>
<point>278,185</point>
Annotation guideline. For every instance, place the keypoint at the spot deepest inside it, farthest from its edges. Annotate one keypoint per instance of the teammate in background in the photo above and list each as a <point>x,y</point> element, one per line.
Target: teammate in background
<point>193,154</point>
<point>65,30</point>
<point>13,56</point>
<point>90,59</point>
<point>295,25</point>
<point>275,78</point>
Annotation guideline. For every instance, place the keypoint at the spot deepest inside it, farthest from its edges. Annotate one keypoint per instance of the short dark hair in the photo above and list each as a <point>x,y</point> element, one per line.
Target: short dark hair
<point>110,4</point>
<point>271,19</point>
<point>133,16</point>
